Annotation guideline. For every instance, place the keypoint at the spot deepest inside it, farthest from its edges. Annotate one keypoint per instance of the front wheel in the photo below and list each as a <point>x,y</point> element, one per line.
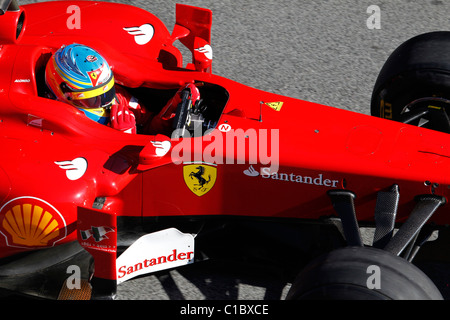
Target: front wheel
<point>414,84</point>
<point>362,273</point>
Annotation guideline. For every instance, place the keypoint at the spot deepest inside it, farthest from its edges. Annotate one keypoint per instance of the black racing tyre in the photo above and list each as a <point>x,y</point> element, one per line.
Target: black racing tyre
<point>349,274</point>
<point>414,84</point>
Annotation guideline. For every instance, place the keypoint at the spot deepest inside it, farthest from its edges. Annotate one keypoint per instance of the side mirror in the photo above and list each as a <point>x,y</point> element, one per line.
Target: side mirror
<point>193,30</point>
<point>202,55</point>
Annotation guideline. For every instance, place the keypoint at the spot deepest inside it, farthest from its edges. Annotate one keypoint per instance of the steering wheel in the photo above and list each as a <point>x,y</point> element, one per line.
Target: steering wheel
<point>182,116</point>
<point>189,116</point>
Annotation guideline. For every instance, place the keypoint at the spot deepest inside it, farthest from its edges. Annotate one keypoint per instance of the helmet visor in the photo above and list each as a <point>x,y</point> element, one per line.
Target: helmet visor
<point>95,97</point>
<point>101,101</point>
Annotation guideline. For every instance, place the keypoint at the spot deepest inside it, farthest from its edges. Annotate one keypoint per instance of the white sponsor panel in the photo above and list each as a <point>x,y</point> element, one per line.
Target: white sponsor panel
<point>156,251</point>
<point>75,168</point>
<point>206,50</point>
<point>142,34</point>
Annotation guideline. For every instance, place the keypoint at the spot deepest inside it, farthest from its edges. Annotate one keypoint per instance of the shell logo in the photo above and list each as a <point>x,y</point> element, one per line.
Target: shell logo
<point>31,222</point>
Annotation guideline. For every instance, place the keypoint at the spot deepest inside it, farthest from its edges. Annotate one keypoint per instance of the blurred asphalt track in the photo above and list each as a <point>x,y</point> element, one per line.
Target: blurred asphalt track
<point>320,51</point>
<point>315,50</point>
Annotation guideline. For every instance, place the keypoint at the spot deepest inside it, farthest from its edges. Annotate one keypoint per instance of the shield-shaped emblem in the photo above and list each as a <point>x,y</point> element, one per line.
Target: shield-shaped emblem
<point>199,177</point>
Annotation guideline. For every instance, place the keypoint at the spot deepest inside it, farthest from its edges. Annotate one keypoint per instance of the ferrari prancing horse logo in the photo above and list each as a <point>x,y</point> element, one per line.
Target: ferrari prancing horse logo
<point>199,177</point>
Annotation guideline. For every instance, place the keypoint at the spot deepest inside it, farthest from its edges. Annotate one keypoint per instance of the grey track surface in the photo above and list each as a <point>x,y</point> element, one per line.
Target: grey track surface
<point>320,51</point>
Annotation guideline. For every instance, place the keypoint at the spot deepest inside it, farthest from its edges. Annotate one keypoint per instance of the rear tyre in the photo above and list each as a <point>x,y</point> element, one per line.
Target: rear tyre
<point>414,84</point>
<point>362,273</point>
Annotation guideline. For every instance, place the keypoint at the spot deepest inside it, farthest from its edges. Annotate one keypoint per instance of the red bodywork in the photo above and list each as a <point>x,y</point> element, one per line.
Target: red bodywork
<point>336,149</point>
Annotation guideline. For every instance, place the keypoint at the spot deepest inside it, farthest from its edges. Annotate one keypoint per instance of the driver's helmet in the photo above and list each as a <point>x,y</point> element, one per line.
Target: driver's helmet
<point>80,76</point>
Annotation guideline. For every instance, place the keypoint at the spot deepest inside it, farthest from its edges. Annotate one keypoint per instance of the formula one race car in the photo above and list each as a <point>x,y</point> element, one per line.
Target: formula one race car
<point>84,207</point>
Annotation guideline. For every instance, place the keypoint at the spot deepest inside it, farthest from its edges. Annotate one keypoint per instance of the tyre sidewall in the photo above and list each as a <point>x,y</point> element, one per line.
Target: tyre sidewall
<point>344,274</point>
<point>420,67</point>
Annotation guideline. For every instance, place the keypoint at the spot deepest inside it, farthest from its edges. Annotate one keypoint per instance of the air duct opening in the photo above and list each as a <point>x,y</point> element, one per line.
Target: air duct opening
<point>20,24</point>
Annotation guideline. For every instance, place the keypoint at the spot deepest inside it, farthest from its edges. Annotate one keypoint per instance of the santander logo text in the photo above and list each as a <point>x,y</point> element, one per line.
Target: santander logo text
<point>148,263</point>
<point>169,248</point>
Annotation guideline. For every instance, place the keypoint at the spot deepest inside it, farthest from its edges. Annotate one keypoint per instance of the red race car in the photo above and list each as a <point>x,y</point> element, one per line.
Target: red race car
<point>84,207</point>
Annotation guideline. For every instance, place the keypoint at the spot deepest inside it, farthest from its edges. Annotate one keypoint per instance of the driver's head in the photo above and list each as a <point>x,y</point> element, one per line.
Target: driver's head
<point>80,76</point>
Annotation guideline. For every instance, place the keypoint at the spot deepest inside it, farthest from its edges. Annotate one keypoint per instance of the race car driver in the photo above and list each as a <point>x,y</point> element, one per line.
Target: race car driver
<point>80,76</point>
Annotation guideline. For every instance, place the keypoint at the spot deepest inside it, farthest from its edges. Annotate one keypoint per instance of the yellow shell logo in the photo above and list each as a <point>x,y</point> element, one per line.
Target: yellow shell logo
<point>31,222</point>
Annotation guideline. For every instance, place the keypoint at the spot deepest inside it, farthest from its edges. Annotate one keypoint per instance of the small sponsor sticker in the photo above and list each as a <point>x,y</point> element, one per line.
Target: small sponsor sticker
<point>275,105</point>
